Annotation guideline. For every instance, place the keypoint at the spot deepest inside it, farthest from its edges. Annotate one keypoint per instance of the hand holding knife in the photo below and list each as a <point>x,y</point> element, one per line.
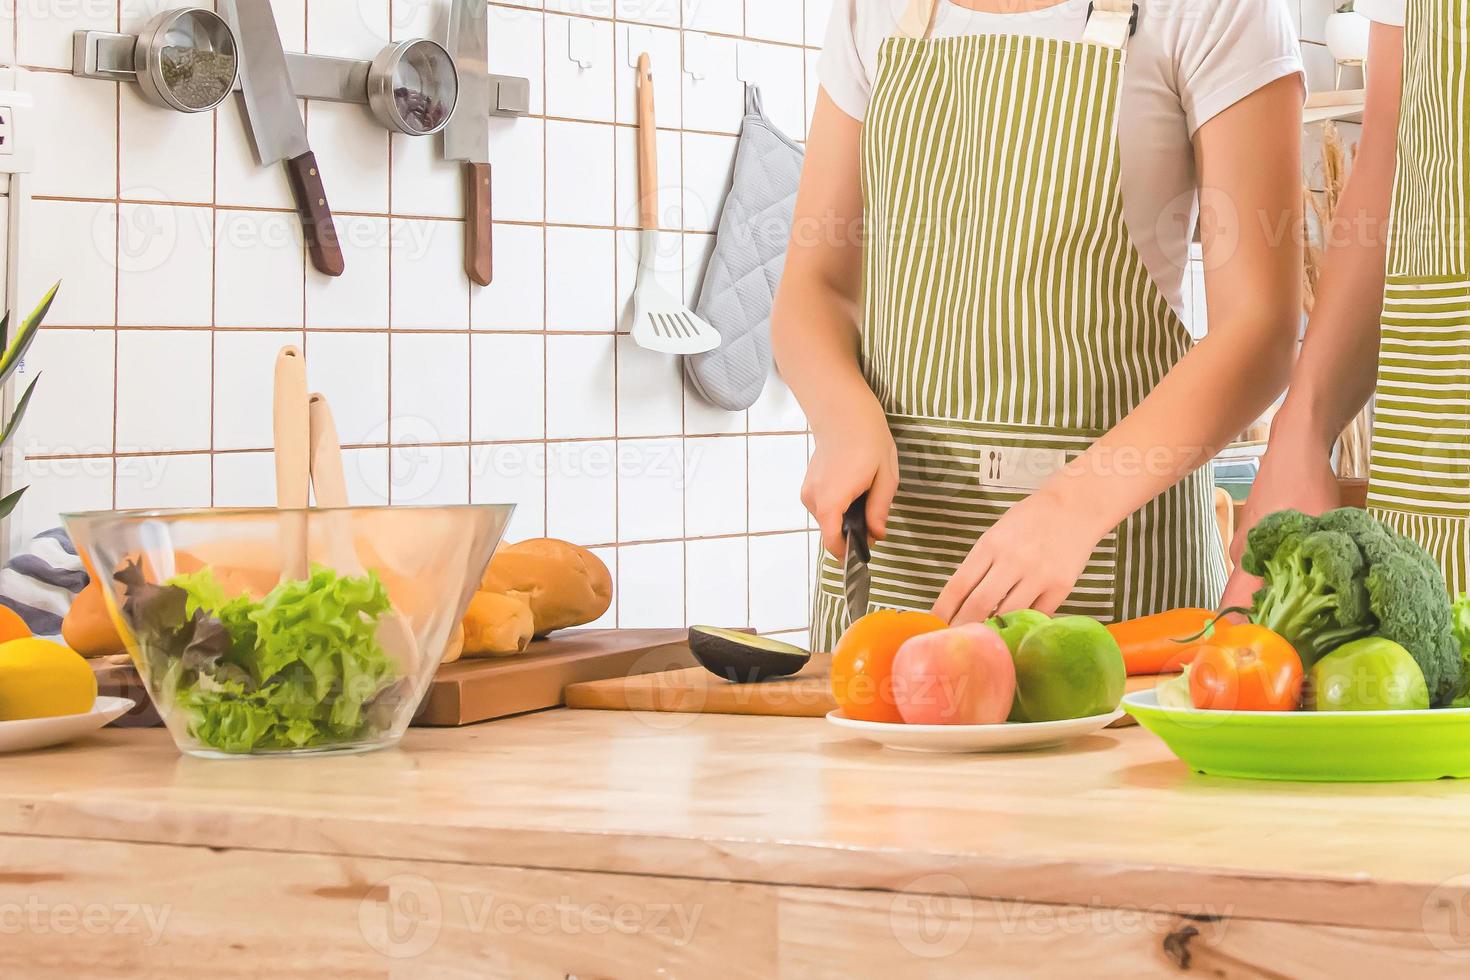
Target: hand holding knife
<point>857,579</point>
<point>277,128</point>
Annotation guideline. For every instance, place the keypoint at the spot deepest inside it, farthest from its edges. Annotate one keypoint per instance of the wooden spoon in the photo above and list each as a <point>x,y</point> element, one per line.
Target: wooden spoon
<point>292,423</point>
<point>331,494</point>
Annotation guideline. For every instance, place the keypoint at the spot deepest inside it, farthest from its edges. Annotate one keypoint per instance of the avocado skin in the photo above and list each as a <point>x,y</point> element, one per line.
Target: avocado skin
<point>744,658</point>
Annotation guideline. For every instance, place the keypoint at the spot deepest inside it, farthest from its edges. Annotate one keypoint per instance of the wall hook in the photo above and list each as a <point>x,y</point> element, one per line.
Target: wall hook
<point>580,47</point>
<point>696,55</point>
<point>640,39</point>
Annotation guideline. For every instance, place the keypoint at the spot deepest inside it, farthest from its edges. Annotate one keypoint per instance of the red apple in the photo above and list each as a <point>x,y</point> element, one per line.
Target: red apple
<point>959,676</point>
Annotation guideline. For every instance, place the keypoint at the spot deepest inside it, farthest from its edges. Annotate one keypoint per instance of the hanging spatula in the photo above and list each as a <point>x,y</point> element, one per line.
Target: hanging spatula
<point>660,321</point>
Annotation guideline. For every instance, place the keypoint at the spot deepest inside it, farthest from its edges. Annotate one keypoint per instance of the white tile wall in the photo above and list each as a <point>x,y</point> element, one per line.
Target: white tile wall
<point>183,271</point>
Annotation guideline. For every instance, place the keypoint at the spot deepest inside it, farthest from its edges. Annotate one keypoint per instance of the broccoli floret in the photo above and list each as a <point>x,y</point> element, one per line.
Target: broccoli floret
<point>1314,593</point>
<point>1409,597</point>
<point>1345,575</point>
<point>1266,538</point>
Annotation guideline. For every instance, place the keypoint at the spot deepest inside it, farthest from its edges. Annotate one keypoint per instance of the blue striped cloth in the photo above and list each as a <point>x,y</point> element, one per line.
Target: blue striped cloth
<point>41,584</point>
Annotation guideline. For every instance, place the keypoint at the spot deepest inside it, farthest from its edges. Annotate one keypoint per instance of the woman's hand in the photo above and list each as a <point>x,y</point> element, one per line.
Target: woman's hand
<point>1030,559</point>
<point>850,460</point>
<point>1293,477</point>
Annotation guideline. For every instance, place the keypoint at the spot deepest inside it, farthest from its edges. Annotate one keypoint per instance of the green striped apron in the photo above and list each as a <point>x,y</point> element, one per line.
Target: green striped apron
<point>1008,319</point>
<point>1420,475</point>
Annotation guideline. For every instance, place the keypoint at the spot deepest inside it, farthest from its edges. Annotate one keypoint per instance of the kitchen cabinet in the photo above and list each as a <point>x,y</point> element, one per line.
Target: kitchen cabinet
<point>613,844</point>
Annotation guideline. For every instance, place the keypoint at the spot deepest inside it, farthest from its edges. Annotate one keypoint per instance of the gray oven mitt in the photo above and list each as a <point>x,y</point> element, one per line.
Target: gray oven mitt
<point>750,250</point>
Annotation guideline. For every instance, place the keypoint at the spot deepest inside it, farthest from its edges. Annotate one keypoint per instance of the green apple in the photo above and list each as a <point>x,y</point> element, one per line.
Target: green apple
<point>1069,668</point>
<point>1371,674</point>
<point>1013,627</point>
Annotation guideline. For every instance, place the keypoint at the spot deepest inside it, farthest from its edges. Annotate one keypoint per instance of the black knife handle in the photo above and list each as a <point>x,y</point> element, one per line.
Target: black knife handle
<point>855,527</point>
<point>316,214</point>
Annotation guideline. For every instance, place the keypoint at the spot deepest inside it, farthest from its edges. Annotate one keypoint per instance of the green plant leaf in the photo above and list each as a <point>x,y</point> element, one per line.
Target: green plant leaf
<point>8,502</point>
<point>16,349</point>
<point>20,410</point>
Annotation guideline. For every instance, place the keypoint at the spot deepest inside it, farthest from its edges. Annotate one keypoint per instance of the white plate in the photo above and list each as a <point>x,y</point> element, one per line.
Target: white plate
<point>38,733</point>
<point>1009,737</point>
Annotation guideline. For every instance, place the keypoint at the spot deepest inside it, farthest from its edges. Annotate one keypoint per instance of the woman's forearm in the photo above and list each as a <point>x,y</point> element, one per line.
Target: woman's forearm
<point>1251,214</point>
<point>814,337</point>
<point>814,325</point>
<point>1336,373</point>
<point>1212,395</point>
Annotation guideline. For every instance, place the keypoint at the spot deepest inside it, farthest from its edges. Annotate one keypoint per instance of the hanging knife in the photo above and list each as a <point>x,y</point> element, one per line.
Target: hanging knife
<point>276,126</point>
<point>467,137</point>
<point>857,578</point>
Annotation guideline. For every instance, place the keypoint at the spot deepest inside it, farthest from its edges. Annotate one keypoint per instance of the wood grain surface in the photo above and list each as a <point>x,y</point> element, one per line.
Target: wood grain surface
<point>1113,820</point>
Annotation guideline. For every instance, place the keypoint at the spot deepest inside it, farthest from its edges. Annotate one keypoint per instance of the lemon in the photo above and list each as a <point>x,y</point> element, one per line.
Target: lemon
<point>41,679</point>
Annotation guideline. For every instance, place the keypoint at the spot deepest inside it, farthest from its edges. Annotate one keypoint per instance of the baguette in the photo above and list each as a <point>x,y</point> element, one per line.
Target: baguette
<point>566,585</point>
<point>498,625</point>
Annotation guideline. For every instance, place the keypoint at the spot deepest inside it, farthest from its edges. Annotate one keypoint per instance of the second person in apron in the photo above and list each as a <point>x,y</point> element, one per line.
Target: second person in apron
<point>972,317</point>
<point>1392,321</point>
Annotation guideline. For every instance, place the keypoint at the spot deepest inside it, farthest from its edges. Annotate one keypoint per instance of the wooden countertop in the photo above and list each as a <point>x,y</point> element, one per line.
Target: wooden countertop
<point>1113,820</point>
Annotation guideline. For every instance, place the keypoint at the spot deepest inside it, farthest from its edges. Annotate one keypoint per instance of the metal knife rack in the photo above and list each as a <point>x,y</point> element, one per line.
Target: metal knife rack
<point>109,57</point>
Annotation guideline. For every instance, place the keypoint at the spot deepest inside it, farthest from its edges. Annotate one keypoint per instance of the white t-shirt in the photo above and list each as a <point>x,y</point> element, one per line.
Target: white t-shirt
<point>1384,11</point>
<point>1186,63</point>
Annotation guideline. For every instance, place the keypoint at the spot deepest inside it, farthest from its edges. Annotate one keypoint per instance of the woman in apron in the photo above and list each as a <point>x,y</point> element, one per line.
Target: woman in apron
<point>971,314</point>
<point>1407,333</point>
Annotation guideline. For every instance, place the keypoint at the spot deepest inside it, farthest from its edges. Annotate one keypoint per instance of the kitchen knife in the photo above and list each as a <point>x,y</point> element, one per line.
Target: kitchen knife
<point>467,137</point>
<point>857,578</point>
<point>276,126</point>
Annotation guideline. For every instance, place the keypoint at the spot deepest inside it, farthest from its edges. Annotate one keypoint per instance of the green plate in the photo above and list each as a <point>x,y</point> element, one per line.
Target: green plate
<point>1317,746</point>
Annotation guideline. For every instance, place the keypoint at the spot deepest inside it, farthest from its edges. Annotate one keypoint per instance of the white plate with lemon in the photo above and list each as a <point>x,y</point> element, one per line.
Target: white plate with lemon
<point>48,695</point>
<point>39,733</point>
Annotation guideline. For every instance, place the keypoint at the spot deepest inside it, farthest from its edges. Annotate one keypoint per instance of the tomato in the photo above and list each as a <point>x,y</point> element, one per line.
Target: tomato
<point>1246,668</point>
<point>862,663</point>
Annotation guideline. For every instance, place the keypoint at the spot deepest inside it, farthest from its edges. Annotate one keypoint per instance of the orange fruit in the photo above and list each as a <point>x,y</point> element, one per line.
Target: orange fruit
<point>862,663</point>
<point>12,627</point>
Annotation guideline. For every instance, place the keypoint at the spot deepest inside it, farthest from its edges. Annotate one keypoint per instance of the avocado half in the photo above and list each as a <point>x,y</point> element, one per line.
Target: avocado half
<point>744,658</point>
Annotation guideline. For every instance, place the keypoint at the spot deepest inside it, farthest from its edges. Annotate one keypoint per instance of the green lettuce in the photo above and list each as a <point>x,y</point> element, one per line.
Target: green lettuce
<point>300,668</point>
<point>1460,623</point>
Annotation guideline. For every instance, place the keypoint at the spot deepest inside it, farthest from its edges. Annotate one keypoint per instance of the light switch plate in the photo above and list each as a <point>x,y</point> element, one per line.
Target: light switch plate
<point>16,104</point>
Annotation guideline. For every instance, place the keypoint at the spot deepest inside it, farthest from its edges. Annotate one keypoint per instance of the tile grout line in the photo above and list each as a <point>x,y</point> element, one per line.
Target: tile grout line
<point>116,269</point>
<point>546,312</point>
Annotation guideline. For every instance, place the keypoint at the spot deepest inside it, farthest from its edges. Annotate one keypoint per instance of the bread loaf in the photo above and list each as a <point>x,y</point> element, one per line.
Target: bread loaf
<point>498,625</point>
<point>88,628</point>
<point>566,585</point>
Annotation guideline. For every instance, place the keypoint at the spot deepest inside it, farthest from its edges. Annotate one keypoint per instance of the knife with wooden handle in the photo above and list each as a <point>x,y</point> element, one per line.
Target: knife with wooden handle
<point>277,128</point>
<point>467,137</point>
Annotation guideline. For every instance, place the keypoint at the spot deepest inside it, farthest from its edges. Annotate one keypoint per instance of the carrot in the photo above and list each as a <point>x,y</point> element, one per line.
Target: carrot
<point>1150,643</point>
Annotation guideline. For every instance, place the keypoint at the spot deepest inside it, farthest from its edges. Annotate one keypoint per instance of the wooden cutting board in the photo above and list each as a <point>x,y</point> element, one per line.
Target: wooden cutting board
<point>471,691</point>
<point>476,690</point>
<point>806,694</point>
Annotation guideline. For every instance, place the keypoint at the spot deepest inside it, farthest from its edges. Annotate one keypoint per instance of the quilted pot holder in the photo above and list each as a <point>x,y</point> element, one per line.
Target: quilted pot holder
<point>750,250</point>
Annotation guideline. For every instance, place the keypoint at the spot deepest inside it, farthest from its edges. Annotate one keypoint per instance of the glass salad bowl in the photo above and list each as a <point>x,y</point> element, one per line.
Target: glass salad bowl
<point>288,632</point>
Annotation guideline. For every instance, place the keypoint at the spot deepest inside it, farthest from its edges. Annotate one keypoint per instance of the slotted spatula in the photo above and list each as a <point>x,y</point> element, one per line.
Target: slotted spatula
<point>660,321</point>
